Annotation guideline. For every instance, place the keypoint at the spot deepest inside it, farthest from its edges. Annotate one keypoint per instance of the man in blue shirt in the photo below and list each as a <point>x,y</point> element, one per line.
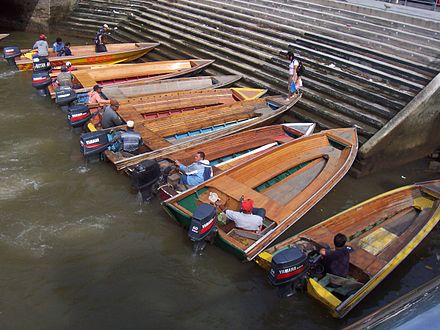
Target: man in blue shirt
<point>58,46</point>
<point>194,174</point>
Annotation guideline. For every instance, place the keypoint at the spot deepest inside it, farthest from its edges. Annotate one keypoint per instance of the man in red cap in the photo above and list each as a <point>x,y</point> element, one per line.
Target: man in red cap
<point>245,219</point>
<point>42,46</point>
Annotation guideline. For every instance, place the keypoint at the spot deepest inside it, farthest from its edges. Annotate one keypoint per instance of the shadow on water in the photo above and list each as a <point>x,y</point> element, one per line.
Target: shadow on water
<point>79,250</point>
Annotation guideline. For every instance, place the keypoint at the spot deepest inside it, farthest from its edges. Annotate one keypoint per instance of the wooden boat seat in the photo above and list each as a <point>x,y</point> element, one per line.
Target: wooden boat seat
<point>246,234</point>
<point>340,285</point>
<point>366,261</point>
<point>84,78</point>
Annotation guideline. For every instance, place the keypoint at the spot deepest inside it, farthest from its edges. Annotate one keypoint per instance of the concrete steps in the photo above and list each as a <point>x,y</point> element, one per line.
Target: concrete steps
<point>362,66</point>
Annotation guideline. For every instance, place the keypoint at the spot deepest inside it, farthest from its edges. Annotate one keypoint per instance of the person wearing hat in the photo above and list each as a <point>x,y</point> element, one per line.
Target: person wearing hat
<point>131,140</point>
<point>245,219</point>
<point>41,46</point>
<point>70,67</point>
<point>109,116</point>
<point>100,39</point>
<point>95,96</point>
<point>64,78</point>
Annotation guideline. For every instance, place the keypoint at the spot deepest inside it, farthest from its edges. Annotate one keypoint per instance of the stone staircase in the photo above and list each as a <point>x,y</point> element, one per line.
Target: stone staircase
<point>363,65</point>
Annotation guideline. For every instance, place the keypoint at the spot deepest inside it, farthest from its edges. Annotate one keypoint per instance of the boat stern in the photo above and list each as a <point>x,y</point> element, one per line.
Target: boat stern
<point>318,292</point>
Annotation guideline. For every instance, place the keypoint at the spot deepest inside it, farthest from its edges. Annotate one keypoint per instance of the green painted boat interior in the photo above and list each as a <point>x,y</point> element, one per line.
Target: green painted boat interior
<point>280,177</point>
<point>190,201</point>
<point>336,144</point>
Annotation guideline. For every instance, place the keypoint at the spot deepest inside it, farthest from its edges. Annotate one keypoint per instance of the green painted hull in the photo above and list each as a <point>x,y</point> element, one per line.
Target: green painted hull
<point>185,221</point>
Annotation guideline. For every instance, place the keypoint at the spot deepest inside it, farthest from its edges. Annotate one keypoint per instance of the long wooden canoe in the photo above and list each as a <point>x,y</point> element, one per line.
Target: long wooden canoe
<point>229,150</point>
<point>166,104</point>
<point>286,182</point>
<point>232,150</point>
<point>116,53</point>
<point>130,73</point>
<point>178,131</point>
<point>126,91</point>
<point>383,231</point>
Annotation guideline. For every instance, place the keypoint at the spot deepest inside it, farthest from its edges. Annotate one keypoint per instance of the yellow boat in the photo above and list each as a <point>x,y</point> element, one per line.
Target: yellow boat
<point>116,53</point>
<point>382,232</point>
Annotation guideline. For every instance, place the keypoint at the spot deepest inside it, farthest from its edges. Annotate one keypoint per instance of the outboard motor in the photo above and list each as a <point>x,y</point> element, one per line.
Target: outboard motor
<point>41,79</point>
<point>203,226</point>
<point>94,143</point>
<point>143,177</point>
<point>41,63</point>
<point>288,271</point>
<point>78,115</point>
<point>10,53</point>
<point>64,95</point>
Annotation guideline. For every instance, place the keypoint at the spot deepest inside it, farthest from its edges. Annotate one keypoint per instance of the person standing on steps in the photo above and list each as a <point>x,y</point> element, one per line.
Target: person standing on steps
<point>293,75</point>
<point>100,39</point>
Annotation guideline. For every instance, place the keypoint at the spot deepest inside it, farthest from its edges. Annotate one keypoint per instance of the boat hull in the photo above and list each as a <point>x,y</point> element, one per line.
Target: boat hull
<point>95,58</point>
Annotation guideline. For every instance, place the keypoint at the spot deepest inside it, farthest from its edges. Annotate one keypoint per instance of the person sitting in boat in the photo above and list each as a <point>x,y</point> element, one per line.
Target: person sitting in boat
<point>197,172</point>
<point>245,219</point>
<point>109,116</point>
<point>70,67</point>
<point>66,50</point>
<point>65,78</point>
<point>337,261</point>
<point>131,141</point>
<point>100,39</point>
<point>58,46</point>
<point>95,96</point>
<point>41,46</point>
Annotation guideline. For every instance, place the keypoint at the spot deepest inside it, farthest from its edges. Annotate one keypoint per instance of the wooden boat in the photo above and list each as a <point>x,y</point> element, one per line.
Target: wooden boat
<point>383,231</point>
<point>286,182</point>
<point>3,35</point>
<point>150,71</point>
<point>116,53</point>
<point>178,131</point>
<point>133,90</point>
<point>229,151</point>
<point>167,104</point>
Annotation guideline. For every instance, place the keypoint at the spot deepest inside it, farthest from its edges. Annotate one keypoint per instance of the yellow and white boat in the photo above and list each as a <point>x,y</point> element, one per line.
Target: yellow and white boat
<point>382,231</point>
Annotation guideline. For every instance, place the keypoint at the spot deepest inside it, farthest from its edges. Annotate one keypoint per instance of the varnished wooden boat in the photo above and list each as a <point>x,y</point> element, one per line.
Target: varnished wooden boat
<point>3,35</point>
<point>286,182</point>
<point>232,150</point>
<point>177,131</point>
<point>116,53</point>
<point>130,73</point>
<point>383,231</point>
<point>174,103</point>
<point>133,90</point>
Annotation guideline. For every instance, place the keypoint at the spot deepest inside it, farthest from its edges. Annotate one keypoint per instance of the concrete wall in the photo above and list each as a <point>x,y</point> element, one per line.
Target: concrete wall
<point>412,134</point>
<point>33,15</point>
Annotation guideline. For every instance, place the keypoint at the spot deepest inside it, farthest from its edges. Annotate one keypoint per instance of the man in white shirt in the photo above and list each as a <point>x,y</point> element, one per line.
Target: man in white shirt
<point>245,219</point>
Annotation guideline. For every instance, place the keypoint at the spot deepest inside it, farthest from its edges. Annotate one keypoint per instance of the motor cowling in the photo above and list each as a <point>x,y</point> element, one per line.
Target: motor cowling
<point>78,115</point>
<point>94,143</point>
<point>144,175</point>
<point>203,223</point>
<point>10,53</point>
<point>289,267</point>
<point>41,63</point>
<point>41,81</point>
<point>64,95</point>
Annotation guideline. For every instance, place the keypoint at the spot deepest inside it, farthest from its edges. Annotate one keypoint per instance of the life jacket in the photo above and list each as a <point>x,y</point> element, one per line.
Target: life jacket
<point>130,140</point>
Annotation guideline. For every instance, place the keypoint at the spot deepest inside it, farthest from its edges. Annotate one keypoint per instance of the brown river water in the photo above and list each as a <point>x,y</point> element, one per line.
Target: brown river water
<point>79,251</point>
